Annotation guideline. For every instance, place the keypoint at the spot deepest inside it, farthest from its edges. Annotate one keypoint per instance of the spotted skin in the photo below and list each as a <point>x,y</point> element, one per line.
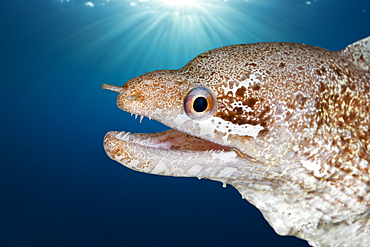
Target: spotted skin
<point>291,132</point>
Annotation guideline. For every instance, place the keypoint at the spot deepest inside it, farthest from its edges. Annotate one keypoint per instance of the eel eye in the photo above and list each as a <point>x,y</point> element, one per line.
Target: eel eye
<point>199,103</point>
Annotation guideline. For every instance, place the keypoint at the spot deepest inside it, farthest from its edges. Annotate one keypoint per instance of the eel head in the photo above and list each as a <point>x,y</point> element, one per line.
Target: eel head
<point>286,124</point>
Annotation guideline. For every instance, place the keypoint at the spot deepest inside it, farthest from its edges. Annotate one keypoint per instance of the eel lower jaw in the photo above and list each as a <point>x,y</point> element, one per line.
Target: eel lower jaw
<point>172,153</point>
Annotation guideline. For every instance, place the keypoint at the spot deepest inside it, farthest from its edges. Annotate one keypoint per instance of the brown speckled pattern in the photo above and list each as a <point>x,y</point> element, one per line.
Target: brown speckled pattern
<point>292,128</point>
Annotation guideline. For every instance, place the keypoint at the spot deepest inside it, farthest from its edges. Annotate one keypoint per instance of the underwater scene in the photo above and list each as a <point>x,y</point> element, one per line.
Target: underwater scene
<point>58,187</point>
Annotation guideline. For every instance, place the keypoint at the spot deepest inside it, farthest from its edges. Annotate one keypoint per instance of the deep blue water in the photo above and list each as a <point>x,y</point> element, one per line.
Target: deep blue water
<point>57,186</point>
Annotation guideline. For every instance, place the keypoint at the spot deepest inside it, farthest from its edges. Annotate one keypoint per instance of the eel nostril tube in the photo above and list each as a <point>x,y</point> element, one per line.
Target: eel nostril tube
<point>112,88</point>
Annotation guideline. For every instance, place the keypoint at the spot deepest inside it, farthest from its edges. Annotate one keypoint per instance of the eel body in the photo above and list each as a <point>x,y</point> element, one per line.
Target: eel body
<point>286,124</point>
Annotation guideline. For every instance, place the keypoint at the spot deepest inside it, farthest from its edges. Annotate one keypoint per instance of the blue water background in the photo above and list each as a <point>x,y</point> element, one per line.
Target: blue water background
<point>57,186</point>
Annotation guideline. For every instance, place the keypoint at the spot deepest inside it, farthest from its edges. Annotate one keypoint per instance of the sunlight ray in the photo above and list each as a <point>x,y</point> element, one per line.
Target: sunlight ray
<point>173,31</point>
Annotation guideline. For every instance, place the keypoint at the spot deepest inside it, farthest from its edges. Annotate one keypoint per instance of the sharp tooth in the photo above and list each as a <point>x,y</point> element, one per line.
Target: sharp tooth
<point>141,118</point>
<point>131,114</point>
<point>150,118</point>
<point>123,137</point>
<point>136,116</point>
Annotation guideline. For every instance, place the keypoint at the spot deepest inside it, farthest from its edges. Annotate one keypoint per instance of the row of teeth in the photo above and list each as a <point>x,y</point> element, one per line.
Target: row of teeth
<point>126,137</point>
<point>142,142</point>
<point>145,142</point>
<point>141,117</point>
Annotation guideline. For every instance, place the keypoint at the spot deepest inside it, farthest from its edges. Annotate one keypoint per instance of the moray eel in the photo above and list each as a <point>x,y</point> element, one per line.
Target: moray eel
<point>286,124</point>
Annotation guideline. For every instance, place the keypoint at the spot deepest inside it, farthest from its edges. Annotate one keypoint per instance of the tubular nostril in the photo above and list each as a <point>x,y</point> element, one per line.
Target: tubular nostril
<point>133,97</point>
<point>112,88</point>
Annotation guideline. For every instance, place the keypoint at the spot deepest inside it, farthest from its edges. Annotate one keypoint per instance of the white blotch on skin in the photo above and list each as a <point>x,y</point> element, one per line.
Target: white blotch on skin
<point>227,172</point>
<point>159,168</point>
<point>194,170</point>
<point>313,166</point>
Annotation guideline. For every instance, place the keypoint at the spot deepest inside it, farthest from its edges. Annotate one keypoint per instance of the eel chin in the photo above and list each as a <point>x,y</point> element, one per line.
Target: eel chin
<point>171,153</point>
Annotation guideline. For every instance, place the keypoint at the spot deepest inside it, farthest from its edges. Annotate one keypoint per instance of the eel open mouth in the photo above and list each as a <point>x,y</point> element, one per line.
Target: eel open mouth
<point>172,153</point>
